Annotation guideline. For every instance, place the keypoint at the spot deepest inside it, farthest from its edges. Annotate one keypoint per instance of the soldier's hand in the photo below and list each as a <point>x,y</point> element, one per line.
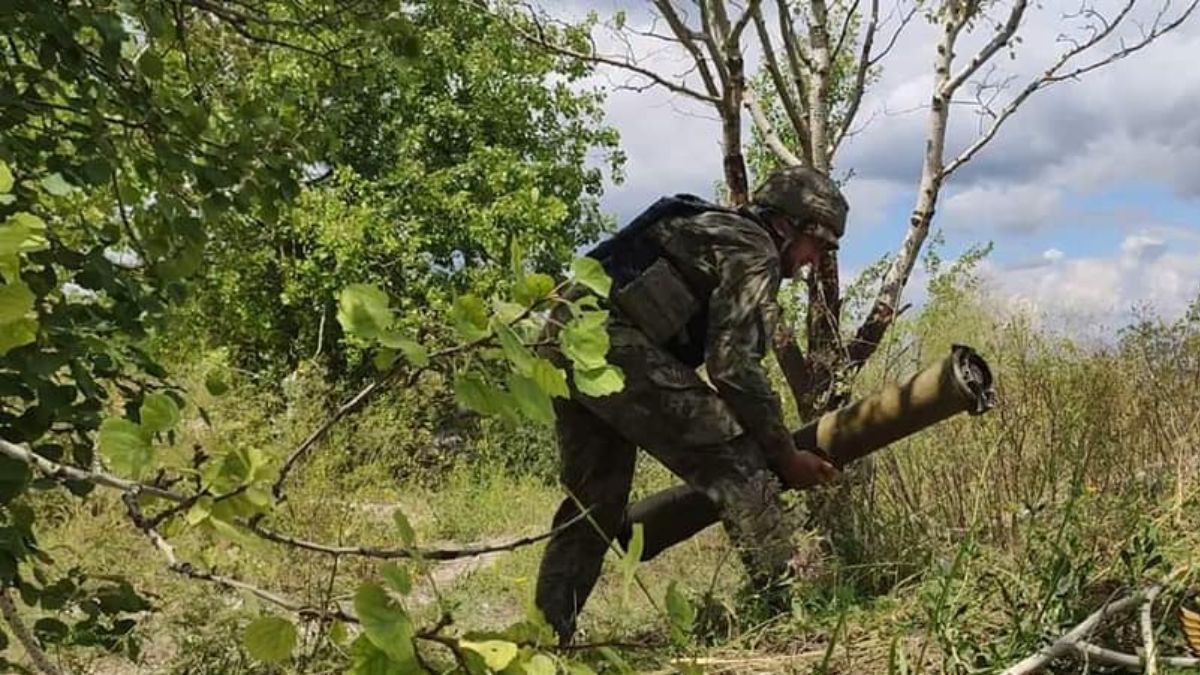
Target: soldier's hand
<point>803,469</point>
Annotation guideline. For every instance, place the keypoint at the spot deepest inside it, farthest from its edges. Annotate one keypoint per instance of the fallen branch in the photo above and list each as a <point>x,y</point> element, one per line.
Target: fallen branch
<point>1147,621</point>
<point>1109,657</point>
<point>1074,642</point>
<point>39,658</point>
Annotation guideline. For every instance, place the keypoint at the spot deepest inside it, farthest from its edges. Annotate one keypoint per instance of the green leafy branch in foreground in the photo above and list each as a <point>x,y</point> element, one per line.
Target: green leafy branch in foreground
<point>497,371</point>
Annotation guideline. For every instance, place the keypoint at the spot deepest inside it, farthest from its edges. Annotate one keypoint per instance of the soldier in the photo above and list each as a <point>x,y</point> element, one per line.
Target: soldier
<point>693,284</point>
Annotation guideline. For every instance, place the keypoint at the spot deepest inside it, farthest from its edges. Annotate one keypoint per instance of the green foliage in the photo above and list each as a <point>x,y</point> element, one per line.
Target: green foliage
<point>443,157</point>
<point>270,639</point>
<point>385,623</point>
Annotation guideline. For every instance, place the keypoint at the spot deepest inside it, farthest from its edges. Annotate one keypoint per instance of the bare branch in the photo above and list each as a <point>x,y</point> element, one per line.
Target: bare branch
<point>793,106</point>
<point>62,472</point>
<point>768,132</point>
<point>1054,73</point>
<point>543,41</point>
<point>1147,624</point>
<point>739,26</point>
<point>989,50</point>
<point>1109,657</point>
<point>688,39</point>
<point>189,570</point>
<point>42,662</point>
<point>845,31</point>
<point>860,76</point>
<point>1069,641</point>
<point>904,21</point>
<point>396,553</point>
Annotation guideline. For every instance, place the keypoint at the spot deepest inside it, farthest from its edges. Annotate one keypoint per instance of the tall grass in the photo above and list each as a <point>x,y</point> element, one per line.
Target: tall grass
<point>958,550</point>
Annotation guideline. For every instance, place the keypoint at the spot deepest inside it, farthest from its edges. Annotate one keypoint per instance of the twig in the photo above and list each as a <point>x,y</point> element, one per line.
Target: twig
<point>39,658</point>
<point>187,569</point>
<point>394,553</point>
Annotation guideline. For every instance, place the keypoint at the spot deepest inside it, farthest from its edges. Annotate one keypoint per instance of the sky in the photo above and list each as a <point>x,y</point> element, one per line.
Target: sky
<point>1090,194</point>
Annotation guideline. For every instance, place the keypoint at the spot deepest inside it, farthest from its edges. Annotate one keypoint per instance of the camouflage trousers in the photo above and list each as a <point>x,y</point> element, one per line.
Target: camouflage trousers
<point>667,410</point>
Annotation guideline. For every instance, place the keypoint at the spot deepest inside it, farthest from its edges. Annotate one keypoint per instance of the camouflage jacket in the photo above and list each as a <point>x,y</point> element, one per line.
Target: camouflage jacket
<point>735,258</point>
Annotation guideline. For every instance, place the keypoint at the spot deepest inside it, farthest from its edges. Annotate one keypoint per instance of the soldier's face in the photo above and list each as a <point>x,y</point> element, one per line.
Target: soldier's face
<point>804,250</point>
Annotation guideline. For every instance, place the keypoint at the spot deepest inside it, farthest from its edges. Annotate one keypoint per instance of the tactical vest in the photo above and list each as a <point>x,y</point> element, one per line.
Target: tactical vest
<point>649,290</point>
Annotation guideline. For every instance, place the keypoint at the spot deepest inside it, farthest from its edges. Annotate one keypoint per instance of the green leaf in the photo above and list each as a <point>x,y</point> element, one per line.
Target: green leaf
<point>474,393</point>
<point>576,668</point>
<point>384,359</point>
<point>584,340</point>
<point>590,273</point>
<point>680,609</point>
<point>16,334</point>
<point>632,559</point>
<point>404,528</point>
<point>413,352</point>
<point>550,378</point>
<point>497,654</point>
<point>397,577</point>
<point>469,316</point>
<point>540,664</point>
<point>215,383</point>
<point>600,381</point>
<point>6,178</point>
<point>386,624</point>
<point>270,639</point>
<point>615,660</point>
<point>56,185</point>
<point>16,301</point>
<point>514,349</point>
<point>338,633</point>
<point>533,401</point>
<point>159,413</point>
<point>14,478</point>
<point>150,65</point>
<point>367,659</point>
<point>533,288</point>
<point>126,445</point>
<point>363,311</point>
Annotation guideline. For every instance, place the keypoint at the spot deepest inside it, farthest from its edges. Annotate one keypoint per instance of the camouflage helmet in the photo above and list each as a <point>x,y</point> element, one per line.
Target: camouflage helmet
<point>809,198</point>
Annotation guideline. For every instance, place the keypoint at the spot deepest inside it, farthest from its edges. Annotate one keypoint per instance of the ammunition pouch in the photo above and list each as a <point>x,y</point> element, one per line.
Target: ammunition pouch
<point>658,301</point>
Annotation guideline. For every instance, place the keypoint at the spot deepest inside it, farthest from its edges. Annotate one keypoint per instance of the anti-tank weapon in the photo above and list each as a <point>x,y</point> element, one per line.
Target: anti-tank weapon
<point>961,382</point>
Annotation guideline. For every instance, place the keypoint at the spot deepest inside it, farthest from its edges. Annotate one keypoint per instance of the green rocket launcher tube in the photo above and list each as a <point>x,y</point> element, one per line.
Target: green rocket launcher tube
<point>961,382</point>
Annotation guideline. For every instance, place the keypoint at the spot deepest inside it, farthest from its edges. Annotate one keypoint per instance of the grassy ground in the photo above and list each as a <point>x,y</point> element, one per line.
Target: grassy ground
<point>958,551</point>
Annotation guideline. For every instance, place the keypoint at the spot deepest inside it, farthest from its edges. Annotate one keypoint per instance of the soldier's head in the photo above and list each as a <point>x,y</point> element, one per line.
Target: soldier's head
<point>807,212</point>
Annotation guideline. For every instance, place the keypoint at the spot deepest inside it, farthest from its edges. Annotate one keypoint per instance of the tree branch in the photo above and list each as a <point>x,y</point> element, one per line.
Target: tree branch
<point>1147,625</point>
<point>792,105</point>
<point>186,569</point>
<point>62,472</point>
<point>1053,74</point>
<point>42,662</point>
<point>542,41</point>
<point>860,76</point>
<point>1070,641</point>
<point>989,50</point>
<point>687,39</point>
<point>396,553</point>
<point>768,132</point>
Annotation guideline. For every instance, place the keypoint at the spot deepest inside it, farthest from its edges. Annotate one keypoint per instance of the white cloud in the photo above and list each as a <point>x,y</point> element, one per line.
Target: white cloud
<point>1102,290</point>
<point>1052,255</point>
<point>1018,208</point>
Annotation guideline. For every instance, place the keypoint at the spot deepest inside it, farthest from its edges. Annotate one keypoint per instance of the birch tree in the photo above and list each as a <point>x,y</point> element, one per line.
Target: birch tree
<point>817,59</point>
